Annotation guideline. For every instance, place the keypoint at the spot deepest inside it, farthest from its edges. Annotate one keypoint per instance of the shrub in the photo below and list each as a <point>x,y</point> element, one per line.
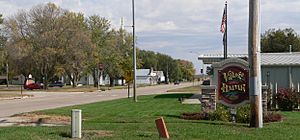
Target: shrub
<point>272,117</point>
<point>243,114</point>
<point>194,116</point>
<point>223,114</point>
<point>287,99</point>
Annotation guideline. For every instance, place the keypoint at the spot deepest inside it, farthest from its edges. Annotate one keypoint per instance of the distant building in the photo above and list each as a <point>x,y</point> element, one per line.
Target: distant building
<point>149,77</point>
<point>3,80</point>
<point>278,69</point>
<point>159,77</point>
<point>144,77</point>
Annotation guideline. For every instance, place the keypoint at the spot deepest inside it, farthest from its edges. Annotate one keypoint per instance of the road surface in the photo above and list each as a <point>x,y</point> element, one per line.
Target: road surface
<point>50,100</point>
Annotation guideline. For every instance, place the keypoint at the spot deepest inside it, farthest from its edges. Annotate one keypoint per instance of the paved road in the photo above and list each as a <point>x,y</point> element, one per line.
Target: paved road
<point>49,100</point>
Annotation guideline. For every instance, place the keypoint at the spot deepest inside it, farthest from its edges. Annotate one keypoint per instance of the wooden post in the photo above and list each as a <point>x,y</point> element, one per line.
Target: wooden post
<point>276,90</point>
<point>162,128</point>
<point>254,64</point>
<point>128,89</point>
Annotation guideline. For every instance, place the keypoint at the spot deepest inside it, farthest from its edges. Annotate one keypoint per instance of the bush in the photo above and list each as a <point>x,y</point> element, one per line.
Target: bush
<point>243,114</point>
<point>272,117</point>
<point>223,114</point>
<point>194,116</point>
<point>287,99</point>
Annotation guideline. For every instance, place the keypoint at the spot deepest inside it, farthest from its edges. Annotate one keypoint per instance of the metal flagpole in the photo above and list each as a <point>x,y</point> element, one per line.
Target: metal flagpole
<point>254,64</point>
<point>225,41</point>
<point>224,30</point>
<point>134,53</point>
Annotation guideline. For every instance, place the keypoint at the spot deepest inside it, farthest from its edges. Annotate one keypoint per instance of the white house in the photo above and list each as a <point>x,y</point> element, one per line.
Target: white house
<point>149,77</point>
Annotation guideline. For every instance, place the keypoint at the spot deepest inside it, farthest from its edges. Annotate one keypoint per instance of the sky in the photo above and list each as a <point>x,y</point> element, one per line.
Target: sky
<point>182,29</point>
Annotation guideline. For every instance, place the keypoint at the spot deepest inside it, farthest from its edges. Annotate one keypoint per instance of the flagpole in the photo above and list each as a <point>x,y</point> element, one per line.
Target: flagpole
<point>225,41</point>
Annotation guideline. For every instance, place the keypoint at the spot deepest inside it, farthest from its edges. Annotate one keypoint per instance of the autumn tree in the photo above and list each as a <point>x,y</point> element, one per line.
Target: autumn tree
<point>124,45</point>
<point>187,69</point>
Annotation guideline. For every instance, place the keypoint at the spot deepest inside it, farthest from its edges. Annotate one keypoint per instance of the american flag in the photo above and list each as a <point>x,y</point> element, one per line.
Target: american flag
<point>224,21</point>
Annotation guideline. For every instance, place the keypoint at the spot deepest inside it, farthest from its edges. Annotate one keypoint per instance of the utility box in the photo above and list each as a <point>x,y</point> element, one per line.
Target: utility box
<point>76,123</point>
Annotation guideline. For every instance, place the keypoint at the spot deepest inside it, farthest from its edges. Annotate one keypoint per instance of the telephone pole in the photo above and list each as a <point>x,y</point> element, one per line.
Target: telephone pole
<point>254,64</point>
<point>134,53</point>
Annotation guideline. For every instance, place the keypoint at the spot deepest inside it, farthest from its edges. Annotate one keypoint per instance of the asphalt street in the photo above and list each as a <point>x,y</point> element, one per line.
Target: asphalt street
<point>50,100</point>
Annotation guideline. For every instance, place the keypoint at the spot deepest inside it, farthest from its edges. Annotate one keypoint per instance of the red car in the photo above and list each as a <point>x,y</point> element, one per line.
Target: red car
<point>32,86</point>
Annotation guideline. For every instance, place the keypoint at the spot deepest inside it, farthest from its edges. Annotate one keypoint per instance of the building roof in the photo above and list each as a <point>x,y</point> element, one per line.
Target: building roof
<point>142,72</point>
<point>280,59</point>
<point>267,59</point>
<point>159,73</point>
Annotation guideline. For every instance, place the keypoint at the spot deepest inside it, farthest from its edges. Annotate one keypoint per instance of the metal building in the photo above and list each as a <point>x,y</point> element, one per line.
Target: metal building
<point>279,70</point>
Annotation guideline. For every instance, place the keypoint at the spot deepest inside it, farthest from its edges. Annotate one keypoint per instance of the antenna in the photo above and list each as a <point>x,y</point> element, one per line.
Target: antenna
<point>122,23</point>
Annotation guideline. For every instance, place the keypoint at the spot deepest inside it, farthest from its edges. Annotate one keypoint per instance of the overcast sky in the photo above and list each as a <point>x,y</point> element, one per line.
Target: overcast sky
<point>180,28</point>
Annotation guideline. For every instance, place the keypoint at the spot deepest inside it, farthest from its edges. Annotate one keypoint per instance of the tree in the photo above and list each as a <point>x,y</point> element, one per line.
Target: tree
<point>187,69</point>
<point>3,53</point>
<point>99,30</point>
<point>124,45</point>
<point>77,47</point>
<point>47,41</point>
<point>280,40</point>
<point>149,59</point>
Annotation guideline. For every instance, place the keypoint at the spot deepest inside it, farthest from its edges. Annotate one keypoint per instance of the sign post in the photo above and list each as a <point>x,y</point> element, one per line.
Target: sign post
<point>129,78</point>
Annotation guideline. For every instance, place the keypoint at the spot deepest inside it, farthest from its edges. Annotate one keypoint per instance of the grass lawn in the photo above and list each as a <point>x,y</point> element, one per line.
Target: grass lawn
<point>124,119</point>
<point>191,89</point>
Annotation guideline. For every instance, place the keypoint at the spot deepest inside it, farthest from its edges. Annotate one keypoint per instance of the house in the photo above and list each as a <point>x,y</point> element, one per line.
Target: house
<point>3,80</point>
<point>149,77</point>
<point>145,77</point>
<point>159,77</point>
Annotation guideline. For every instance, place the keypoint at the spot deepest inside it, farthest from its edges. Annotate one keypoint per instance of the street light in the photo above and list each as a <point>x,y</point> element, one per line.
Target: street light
<point>201,62</point>
<point>134,53</point>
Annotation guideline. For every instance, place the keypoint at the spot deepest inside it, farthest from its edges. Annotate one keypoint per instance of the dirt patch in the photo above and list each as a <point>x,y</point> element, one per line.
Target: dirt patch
<point>9,96</point>
<point>35,119</point>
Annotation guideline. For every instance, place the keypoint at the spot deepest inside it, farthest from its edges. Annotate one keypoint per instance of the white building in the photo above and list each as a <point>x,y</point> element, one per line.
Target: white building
<point>149,77</point>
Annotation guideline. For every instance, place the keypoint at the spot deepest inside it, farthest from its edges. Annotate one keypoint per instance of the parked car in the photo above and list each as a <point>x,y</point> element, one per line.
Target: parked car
<point>176,83</point>
<point>56,84</point>
<point>33,86</point>
<point>206,82</point>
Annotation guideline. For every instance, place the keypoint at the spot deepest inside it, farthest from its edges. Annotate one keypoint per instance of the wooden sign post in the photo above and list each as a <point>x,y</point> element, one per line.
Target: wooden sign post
<point>162,128</point>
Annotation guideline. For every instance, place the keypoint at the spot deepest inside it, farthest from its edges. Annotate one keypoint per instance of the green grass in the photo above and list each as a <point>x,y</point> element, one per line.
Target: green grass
<point>191,89</point>
<point>129,120</point>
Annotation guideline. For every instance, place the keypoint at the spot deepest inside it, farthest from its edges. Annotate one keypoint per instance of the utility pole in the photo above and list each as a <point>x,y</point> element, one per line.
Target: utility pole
<point>134,53</point>
<point>254,64</point>
<point>7,74</point>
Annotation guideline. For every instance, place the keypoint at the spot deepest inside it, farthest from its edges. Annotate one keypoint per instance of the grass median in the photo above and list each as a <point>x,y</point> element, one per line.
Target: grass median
<point>124,119</point>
